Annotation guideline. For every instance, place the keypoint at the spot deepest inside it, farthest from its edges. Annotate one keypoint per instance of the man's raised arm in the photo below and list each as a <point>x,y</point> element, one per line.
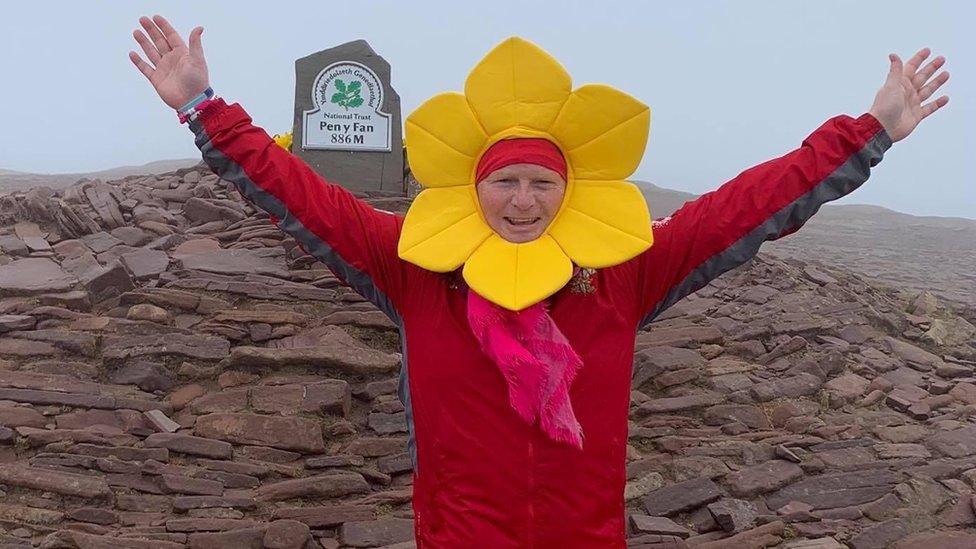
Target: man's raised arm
<point>356,241</point>
<point>724,228</point>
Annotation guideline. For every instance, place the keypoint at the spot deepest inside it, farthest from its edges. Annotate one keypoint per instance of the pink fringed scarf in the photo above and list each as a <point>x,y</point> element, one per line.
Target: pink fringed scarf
<point>537,361</point>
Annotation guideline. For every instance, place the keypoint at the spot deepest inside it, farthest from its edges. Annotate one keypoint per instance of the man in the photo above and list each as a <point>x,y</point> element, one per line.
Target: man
<point>517,381</point>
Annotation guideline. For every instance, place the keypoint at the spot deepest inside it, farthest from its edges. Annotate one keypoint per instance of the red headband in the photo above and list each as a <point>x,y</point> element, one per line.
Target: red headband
<point>522,150</point>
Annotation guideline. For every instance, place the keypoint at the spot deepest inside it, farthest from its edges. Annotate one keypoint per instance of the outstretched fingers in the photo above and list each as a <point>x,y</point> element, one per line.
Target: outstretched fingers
<point>933,106</point>
<point>143,67</point>
<point>932,86</point>
<point>911,67</point>
<point>923,75</point>
<point>152,54</point>
<point>158,40</point>
<point>173,38</point>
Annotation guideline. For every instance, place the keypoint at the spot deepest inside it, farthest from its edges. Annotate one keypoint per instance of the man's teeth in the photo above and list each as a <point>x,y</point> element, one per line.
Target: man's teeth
<point>521,221</point>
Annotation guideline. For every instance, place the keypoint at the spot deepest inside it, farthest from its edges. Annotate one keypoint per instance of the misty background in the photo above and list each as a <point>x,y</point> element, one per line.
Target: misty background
<point>730,84</point>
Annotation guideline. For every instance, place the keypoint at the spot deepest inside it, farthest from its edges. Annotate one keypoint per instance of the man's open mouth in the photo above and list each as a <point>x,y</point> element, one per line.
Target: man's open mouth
<point>522,221</point>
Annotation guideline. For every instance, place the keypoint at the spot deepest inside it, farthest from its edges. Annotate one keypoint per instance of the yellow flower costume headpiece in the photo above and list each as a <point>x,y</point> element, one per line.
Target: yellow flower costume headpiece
<point>519,90</point>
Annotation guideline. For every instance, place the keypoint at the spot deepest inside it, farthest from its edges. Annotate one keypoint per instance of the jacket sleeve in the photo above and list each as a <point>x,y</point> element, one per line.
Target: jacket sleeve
<point>357,242</point>
<point>724,228</point>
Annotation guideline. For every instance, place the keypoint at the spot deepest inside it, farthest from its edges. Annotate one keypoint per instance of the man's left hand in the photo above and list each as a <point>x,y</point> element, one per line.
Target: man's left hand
<point>898,104</point>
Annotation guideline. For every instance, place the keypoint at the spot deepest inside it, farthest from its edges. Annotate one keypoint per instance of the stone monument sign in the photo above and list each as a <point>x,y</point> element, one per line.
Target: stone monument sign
<point>347,118</point>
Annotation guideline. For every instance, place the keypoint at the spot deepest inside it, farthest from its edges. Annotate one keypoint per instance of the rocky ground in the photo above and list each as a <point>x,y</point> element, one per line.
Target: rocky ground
<point>176,372</point>
<point>12,181</point>
<point>932,254</point>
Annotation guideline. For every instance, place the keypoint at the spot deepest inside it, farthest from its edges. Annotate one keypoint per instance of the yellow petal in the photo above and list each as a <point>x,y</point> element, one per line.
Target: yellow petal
<point>603,131</point>
<point>444,140</point>
<point>517,84</point>
<point>591,111</point>
<point>516,276</point>
<point>604,223</point>
<point>442,229</point>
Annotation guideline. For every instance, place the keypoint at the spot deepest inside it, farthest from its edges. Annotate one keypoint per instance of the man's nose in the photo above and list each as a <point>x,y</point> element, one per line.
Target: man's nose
<point>523,197</point>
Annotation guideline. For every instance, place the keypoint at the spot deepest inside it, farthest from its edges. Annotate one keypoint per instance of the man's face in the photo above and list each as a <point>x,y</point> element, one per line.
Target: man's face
<point>519,201</point>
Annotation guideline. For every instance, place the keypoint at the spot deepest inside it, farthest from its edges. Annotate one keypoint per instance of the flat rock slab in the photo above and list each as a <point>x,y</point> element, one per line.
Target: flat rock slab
<point>682,496</point>
<point>80,400</point>
<point>376,446</point>
<point>834,490</point>
<point>765,477</point>
<point>376,533</point>
<point>644,524</point>
<point>880,536</point>
<point>145,263</point>
<point>188,444</point>
<point>55,481</point>
<point>680,403</point>
<point>964,392</point>
<point>791,387</point>
<point>266,317</point>
<point>199,210</point>
<point>30,515</point>
<point>11,245</point>
<point>336,349</point>
<point>937,540</point>
<point>21,416</point>
<point>265,261</point>
<point>191,346</point>
<point>848,386</point>
<point>71,341</point>
<point>329,396</point>
<point>335,484</point>
<point>185,503</point>
<point>100,242</point>
<point>750,416</point>
<point>916,357</point>
<point>16,322</point>
<point>34,275</point>
<point>327,516</point>
<point>678,337</point>
<point>208,524</point>
<point>72,538</point>
<point>287,433</point>
<point>178,484</point>
<point>958,443</point>
<point>169,298</point>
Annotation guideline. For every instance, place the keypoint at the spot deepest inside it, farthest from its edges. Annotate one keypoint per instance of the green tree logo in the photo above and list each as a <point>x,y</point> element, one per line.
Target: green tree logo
<point>348,95</point>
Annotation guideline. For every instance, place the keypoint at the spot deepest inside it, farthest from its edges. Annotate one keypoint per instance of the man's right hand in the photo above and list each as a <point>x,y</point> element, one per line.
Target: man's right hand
<point>179,73</point>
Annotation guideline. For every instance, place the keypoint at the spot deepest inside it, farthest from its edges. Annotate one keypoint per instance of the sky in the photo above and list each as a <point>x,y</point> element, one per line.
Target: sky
<point>730,84</point>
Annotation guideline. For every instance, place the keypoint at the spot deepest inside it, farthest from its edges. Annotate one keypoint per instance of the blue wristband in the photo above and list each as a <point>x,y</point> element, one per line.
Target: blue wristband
<point>204,95</point>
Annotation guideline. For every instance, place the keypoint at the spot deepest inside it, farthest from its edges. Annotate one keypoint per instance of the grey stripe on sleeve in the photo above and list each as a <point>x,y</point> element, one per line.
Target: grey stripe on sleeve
<point>843,180</point>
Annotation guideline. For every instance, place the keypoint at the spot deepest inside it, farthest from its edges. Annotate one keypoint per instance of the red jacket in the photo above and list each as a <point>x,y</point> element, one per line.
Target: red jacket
<point>482,476</point>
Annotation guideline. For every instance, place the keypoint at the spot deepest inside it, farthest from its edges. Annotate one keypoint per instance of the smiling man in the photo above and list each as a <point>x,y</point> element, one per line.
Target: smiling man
<point>517,382</point>
<point>521,184</point>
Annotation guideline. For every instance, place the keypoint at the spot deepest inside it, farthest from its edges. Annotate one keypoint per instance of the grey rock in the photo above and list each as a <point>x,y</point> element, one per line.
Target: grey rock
<point>764,477</point>
<point>149,376</point>
<point>795,386</point>
<point>681,496</point>
<point>734,515</point>
<point>33,275</point>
